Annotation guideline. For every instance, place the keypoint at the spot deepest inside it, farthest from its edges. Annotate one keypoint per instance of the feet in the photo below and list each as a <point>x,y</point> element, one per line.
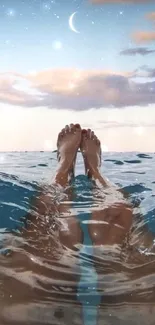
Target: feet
<point>68,143</point>
<point>91,151</point>
<point>69,140</point>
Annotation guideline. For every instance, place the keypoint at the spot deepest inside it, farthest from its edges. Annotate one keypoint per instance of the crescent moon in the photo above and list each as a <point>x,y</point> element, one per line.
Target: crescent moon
<point>71,25</point>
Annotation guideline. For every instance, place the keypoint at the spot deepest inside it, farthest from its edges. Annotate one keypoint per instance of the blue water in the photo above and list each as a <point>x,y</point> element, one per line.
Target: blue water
<point>41,285</point>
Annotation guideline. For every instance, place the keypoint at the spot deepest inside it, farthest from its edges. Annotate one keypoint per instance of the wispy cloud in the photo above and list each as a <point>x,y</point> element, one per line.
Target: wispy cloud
<point>145,72</point>
<point>115,124</point>
<point>13,90</point>
<point>137,50</point>
<point>143,37</point>
<point>151,16</point>
<point>76,90</point>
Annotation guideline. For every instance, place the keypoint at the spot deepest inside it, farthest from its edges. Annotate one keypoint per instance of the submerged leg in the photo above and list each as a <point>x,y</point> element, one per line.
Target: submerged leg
<point>112,219</point>
<point>48,205</point>
<point>50,235</point>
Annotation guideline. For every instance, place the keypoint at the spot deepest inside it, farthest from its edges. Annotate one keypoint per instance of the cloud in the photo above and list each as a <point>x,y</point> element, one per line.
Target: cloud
<point>76,90</point>
<point>139,50</point>
<point>143,37</point>
<point>119,1</point>
<point>115,124</point>
<point>151,16</point>
<point>150,72</point>
<point>13,90</point>
<point>145,72</point>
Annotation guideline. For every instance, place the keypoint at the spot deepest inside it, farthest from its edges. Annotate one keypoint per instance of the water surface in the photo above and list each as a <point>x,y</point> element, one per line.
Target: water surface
<point>42,284</point>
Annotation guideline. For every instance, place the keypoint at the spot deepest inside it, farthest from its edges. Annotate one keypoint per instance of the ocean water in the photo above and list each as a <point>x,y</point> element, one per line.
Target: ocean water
<point>42,282</point>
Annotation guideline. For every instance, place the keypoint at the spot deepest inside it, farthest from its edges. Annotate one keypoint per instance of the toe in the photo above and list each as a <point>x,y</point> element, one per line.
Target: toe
<point>84,131</point>
<point>89,132</point>
<point>84,134</point>
<point>77,126</point>
<point>71,127</point>
<point>97,140</point>
<point>60,134</point>
<point>66,129</point>
<point>93,136</point>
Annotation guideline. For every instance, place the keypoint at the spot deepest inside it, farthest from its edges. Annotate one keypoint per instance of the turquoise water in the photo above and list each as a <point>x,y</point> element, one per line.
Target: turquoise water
<point>41,285</point>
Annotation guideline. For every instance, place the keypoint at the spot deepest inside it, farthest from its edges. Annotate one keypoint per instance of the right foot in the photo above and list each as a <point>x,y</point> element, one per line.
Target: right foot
<point>91,151</point>
<point>68,143</point>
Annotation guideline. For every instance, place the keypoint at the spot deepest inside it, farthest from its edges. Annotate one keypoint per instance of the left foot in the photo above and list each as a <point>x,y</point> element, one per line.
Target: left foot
<point>68,143</point>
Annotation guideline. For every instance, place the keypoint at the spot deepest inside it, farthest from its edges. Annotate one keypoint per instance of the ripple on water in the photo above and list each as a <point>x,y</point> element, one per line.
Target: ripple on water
<point>116,162</point>
<point>133,161</point>
<point>143,155</point>
<point>40,279</point>
<point>136,188</point>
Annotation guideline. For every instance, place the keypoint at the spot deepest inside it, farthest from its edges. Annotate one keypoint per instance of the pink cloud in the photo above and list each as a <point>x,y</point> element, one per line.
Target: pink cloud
<point>151,16</point>
<point>76,90</point>
<point>143,37</point>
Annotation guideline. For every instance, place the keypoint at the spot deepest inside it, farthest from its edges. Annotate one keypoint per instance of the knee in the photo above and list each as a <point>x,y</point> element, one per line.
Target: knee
<point>70,233</point>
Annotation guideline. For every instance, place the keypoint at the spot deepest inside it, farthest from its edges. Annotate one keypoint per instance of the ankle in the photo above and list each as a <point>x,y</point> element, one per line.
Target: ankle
<point>62,176</point>
<point>63,168</point>
<point>96,176</point>
<point>92,172</point>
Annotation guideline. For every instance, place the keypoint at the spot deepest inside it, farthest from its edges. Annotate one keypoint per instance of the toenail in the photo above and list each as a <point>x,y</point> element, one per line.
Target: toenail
<point>77,126</point>
<point>84,131</point>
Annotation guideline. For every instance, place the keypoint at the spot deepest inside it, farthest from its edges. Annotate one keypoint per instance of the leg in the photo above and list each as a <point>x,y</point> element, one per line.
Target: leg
<point>110,223</point>
<point>48,205</point>
<point>45,239</point>
<point>113,219</point>
<point>115,213</point>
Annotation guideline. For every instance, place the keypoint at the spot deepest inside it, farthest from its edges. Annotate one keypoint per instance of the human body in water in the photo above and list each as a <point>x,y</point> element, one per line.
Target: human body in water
<point>111,222</point>
<point>49,243</point>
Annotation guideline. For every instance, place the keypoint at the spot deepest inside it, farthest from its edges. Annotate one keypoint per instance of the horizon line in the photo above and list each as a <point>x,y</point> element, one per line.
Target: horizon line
<point>53,151</point>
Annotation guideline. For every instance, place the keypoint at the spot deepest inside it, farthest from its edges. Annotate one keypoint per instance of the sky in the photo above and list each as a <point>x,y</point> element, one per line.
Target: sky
<point>77,61</point>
